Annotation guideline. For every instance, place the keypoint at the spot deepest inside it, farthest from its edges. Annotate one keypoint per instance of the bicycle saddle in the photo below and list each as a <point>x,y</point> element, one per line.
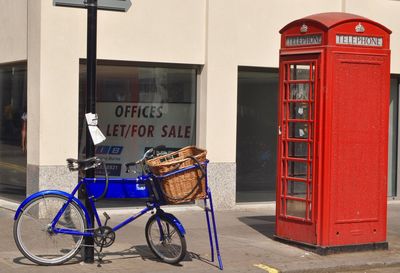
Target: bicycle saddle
<point>83,164</point>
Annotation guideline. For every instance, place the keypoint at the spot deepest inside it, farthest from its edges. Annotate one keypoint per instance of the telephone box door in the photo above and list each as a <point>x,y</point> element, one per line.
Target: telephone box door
<point>297,181</point>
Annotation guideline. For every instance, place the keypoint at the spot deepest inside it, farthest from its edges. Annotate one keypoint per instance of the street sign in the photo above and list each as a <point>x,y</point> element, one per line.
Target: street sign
<point>111,5</point>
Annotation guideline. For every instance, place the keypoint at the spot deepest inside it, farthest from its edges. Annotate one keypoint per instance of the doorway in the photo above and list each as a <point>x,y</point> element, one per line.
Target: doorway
<point>296,207</point>
<point>256,145</point>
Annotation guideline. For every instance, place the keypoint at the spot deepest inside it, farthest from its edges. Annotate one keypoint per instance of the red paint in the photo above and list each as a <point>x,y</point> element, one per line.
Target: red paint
<point>332,152</point>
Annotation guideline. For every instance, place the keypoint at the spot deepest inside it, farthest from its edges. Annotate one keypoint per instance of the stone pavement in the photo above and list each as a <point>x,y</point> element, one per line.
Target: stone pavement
<point>246,246</point>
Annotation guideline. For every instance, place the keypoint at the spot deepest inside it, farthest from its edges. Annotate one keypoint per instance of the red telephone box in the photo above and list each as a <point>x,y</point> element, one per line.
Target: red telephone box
<point>333,133</point>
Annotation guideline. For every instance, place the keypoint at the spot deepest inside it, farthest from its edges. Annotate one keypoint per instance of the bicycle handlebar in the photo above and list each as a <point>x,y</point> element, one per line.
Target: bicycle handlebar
<point>152,151</point>
<point>145,156</point>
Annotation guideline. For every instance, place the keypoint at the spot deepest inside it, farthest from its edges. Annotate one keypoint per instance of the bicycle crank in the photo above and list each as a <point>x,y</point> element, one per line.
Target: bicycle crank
<point>104,236</point>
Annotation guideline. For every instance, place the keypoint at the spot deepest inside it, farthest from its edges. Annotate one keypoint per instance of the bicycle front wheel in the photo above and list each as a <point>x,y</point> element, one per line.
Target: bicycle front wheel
<point>165,240</point>
<point>34,236</point>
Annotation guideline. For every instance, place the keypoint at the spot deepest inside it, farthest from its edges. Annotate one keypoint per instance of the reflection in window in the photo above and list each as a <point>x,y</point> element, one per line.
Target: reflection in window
<point>297,169</point>
<point>299,91</point>
<point>298,149</point>
<point>296,208</point>
<point>13,102</point>
<point>299,111</point>
<point>144,84</point>
<point>296,189</point>
<point>299,72</point>
<point>298,130</point>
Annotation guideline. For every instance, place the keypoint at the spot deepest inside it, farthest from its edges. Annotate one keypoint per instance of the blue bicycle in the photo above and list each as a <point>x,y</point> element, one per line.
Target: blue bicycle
<point>50,225</point>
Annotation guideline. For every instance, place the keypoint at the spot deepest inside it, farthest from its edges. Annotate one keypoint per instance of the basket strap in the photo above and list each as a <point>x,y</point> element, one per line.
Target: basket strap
<point>197,186</point>
<point>203,172</point>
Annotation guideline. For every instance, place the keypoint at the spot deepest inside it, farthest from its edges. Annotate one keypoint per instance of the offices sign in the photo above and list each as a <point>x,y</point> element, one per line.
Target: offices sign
<point>130,128</point>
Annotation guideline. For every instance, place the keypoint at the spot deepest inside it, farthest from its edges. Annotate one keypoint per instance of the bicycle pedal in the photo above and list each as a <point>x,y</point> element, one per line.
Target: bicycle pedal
<point>106,215</point>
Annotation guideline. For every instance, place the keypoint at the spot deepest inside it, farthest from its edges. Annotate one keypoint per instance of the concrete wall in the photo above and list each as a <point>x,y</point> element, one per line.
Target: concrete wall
<point>171,31</point>
<point>13,30</point>
<point>63,42</point>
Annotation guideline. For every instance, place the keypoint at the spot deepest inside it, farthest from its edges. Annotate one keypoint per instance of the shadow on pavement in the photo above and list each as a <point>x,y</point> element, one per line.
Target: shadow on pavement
<point>263,224</point>
<point>195,256</point>
<point>134,252</point>
<point>24,261</point>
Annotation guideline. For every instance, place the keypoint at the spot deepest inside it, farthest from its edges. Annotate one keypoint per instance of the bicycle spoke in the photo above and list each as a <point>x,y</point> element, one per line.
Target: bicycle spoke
<point>165,240</point>
<point>172,233</point>
<point>35,238</point>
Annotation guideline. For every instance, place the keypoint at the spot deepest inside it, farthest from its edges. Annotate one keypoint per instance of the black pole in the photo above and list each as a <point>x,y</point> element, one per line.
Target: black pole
<point>90,107</point>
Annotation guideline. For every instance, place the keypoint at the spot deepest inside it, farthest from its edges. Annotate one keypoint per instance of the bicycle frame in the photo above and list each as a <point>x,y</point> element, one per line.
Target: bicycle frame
<point>150,206</point>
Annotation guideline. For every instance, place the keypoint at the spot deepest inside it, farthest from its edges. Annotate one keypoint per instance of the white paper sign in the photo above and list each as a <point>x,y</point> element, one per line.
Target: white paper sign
<point>95,133</point>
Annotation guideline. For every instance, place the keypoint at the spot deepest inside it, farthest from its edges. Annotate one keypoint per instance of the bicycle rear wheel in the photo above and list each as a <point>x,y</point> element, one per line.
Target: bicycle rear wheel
<point>165,240</point>
<point>33,234</point>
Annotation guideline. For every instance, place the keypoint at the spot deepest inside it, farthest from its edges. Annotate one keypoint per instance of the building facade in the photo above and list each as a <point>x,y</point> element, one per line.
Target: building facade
<point>173,72</point>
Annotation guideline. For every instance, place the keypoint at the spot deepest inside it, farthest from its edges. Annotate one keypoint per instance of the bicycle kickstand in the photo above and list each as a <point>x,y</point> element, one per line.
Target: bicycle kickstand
<point>210,209</point>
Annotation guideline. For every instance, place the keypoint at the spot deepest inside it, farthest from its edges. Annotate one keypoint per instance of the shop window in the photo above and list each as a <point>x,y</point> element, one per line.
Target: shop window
<point>257,112</point>
<point>140,106</point>
<point>13,120</point>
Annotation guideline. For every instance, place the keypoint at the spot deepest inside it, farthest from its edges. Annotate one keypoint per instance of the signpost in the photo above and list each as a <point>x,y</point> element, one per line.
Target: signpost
<point>92,6</point>
<point>111,5</point>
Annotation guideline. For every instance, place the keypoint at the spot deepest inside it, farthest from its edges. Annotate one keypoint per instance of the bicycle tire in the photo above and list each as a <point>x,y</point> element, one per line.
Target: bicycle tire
<point>165,249</point>
<point>31,230</point>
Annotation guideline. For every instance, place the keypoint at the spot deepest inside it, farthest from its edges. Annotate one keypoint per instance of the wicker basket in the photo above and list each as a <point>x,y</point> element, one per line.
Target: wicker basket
<point>183,187</point>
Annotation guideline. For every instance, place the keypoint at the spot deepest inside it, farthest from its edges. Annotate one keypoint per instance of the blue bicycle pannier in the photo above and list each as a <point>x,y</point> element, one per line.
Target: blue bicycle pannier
<point>117,188</point>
